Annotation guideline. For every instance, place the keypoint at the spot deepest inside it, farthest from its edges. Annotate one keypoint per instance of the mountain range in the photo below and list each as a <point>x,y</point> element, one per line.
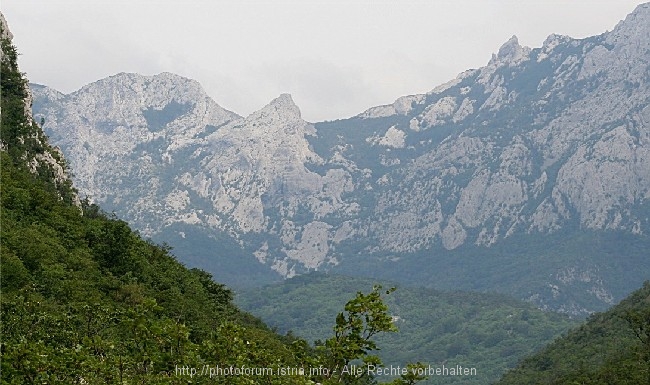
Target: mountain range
<point>529,176</point>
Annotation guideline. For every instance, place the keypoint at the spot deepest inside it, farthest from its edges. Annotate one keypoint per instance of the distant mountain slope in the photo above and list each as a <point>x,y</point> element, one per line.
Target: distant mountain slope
<point>486,331</point>
<point>545,147</point>
<point>610,348</point>
<point>196,177</point>
<point>538,141</point>
<point>129,124</point>
<point>133,142</point>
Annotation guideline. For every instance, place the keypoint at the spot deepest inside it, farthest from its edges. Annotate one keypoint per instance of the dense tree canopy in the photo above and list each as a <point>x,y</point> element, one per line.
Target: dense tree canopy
<point>610,348</point>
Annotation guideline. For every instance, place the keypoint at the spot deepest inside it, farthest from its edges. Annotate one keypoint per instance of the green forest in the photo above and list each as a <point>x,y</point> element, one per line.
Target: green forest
<point>490,332</point>
<point>494,333</point>
<point>612,347</point>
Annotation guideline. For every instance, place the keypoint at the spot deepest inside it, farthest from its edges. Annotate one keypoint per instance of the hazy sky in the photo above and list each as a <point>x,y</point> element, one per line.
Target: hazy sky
<point>337,58</point>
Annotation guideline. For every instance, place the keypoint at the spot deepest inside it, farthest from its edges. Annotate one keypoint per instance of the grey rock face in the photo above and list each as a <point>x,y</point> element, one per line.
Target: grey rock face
<point>158,151</point>
<point>536,143</point>
<point>539,136</point>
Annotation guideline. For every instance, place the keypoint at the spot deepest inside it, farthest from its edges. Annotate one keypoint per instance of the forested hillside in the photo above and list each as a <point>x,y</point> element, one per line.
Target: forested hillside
<point>610,348</point>
<point>86,300</point>
<point>491,332</point>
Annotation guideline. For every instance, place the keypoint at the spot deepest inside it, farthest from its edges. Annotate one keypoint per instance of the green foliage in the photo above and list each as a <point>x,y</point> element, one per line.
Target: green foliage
<point>364,317</point>
<point>12,98</point>
<point>486,331</point>
<point>638,320</point>
<point>20,136</point>
<point>610,348</point>
<point>85,299</point>
<point>412,376</point>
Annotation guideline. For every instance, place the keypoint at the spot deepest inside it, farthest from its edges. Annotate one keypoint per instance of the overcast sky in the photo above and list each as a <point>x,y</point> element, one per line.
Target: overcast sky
<point>337,58</point>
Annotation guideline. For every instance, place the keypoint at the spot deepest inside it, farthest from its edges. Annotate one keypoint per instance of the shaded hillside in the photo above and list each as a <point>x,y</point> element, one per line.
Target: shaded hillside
<point>610,348</point>
<point>487,331</point>
<point>87,300</point>
<point>573,273</point>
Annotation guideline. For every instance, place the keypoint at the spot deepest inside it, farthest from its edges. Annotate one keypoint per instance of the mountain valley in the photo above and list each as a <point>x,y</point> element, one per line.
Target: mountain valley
<point>499,222</point>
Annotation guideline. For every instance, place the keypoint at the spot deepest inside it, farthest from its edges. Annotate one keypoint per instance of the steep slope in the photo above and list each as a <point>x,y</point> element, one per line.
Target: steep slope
<point>486,331</point>
<point>191,174</point>
<point>545,146</point>
<point>610,348</point>
<point>540,155</point>
<point>126,131</point>
<point>20,136</point>
<point>130,137</point>
<point>534,142</point>
<point>542,148</point>
<point>84,298</point>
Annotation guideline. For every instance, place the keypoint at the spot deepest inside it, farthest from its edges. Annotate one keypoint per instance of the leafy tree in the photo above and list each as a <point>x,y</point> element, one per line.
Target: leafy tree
<point>364,317</point>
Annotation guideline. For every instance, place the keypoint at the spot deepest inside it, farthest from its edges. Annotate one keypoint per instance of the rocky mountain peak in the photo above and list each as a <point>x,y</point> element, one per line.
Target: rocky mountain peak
<point>640,17</point>
<point>284,104</point>
<point>511,52</point>
<point>280,109</point>
<point>552,41</point>
<point>509,48</point>
<point>284,98</point>
<point>635,29</point>
<point>153,91</point>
